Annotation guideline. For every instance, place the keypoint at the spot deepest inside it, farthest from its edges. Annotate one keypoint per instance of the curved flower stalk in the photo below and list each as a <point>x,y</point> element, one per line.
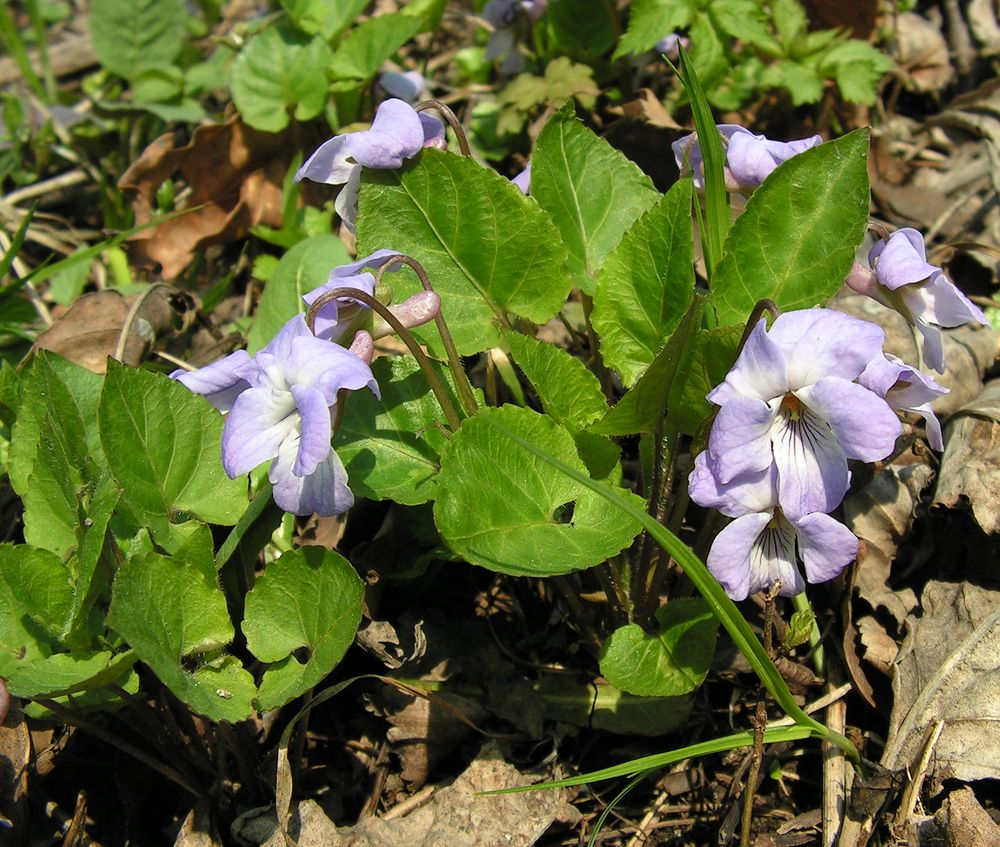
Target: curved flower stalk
<point>791,402</point>
<point>283,412</point>
<point>900,277</point>
<point>762,545</point>
<point>398,133</point>
<point>749,158</point>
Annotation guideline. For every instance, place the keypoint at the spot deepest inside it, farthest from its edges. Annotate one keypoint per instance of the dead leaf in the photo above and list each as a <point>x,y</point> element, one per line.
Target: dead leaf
<point>382,640</point>
<point>982,20</point>
<point>15,754</point>
<point>198,829</point>
<point>880,649</point>
<point>965,822</point>
<point>948,669</point>
<point>922,53</point>
<point>90,330</point>
<point>647,108</point>
<point>456,815</point>
<point>234,173</point>
<point>859,17</point>
<point>970,467</point>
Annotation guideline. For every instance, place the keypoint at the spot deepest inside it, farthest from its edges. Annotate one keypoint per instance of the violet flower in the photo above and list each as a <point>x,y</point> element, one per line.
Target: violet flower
<point>900,277</point>
<point>790,401</point>
<point>220,382</point>
<point>338,318</point>
<point>670,45</point>
<point>763,544</point>
<point>523,180</point>
<point>408,86</point>
<point>284,413</point>
<point>397,133</point>
<point>906,389</point>
<point>502,16</point>
<point>749,158</point>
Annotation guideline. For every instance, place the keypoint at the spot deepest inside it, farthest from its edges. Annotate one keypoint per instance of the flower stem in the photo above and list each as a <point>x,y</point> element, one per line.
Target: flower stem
<point>462,384</point>
<point>454,421</point>
<point>451,119</point>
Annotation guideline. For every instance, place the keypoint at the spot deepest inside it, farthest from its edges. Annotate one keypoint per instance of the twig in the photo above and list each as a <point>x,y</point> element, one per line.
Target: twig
<point>46,186</point>
<point>912,792</point>
<point>834,776</point>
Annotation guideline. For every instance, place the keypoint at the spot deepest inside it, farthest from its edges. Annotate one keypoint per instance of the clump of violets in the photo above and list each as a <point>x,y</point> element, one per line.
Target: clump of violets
<point>503,16</point>
<point>792,412</point>
<point>749,158</point>
<point>900,277</point>
<point>282,403</point>
<point>398,133</point>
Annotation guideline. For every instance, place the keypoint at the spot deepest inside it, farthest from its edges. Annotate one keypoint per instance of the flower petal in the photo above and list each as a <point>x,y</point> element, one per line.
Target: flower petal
<point>825,545</point>
<point>945,305</point>
<point>396,134</point>
<point>315,431</point>
<point>901,259</point>
<point>759,371</point>
<point>729,558</point>
<point>812,467</point>
<point>324,491</point>
<point>863,423</point>
<point>329,163</point>
<point>220,382</point>
<point>327,367</point>
<point>408,86</point>
<point>752,492</point>
<point>772,558</point>
<point>820,342</point>
<point>346,204</point>
<point>261,419</point>
<point>740,441</point>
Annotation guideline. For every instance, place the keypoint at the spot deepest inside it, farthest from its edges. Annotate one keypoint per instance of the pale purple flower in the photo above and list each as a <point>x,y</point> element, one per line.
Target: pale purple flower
<point>749,158</point>
<point>283,412</point>
<point>220,382</point>
<point>523,180</point>
<point>409,86</point>
<point>900,277</point>
<point>397,133</point>
<point>790,401</point>
<point>763,544</point>
<point>670,46</point>
<point>906,389</point>
<point>503,16</point>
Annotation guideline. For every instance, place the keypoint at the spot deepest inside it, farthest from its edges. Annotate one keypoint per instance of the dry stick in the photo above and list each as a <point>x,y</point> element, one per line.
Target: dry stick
<point>759,723</point>
<point>912,792</point>
<point>465,392</point>
<point>835,774</point>
<point>444,401</point>
<point>452,120</point>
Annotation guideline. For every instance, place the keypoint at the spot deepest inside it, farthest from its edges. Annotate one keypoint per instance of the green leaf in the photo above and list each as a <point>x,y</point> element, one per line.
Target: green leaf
<point>301,616</point>
<point>642,408</point>
<point>674,660</point>
<point>646,285</point>
<point>569,392</point>
<point>130,34</point>
<point>90,579</point>
<point>327,17</point>
<point>581,26</point>
<point>281,72</point>
<point>711,359</point>
<point>527,521</point>
<point>304,267</point>
<point>796,239</point>
<point>63,673</point>
<point>390,446</point>
<point>652,20</point>
<point>35,599</point>
<point>801,80</point>
<point>486,248</point>
<point>173,614</point>
<point>363,50</point>
<point>591,191</point>
<point>60,463</point>
<point>601,706</point>
<point>163,445</point>
<point>857,67</point>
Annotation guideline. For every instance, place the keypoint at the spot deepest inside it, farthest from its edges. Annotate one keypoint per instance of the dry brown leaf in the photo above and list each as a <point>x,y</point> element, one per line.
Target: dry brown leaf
<point>970,467</point>
<point>456,815</point>
<point>880,649</point>
<point>982,17</point>
<point>89,331</point>
<point>948,669</point>
<point>859,16</point>
<point>922,53</point>
<point>965,822</point>
<point>235,175</point>
<point>15,754</point>
<point>198,829</point>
